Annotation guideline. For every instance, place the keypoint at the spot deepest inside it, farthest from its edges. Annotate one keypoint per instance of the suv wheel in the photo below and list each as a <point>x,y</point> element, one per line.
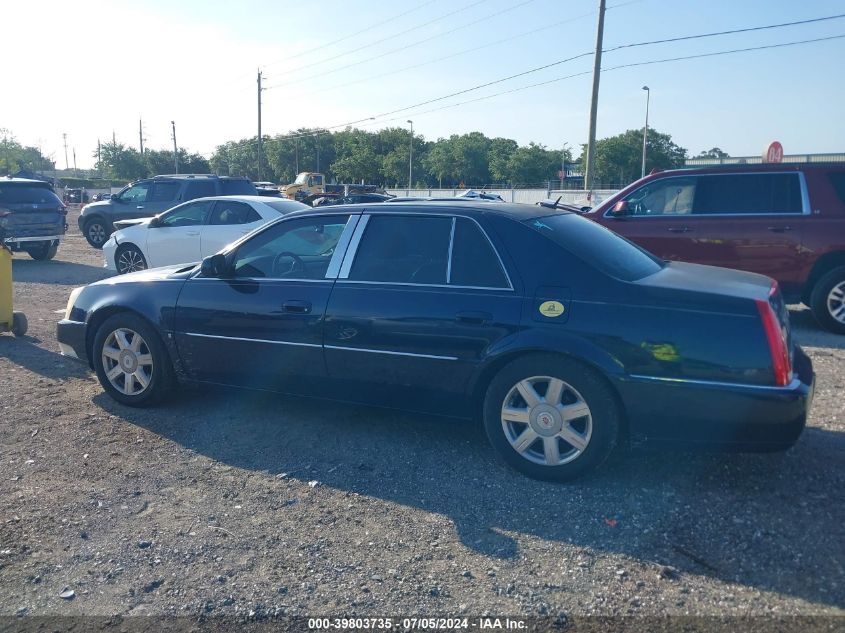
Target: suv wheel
<point>96,232</point>
<point>130,360</point>
<point>827,300</point>
<point>128,258</point>
<point>43,251</point>
<point>551,418</point>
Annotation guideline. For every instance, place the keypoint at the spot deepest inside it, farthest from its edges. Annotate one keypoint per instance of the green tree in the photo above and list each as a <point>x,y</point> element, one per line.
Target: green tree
<point>118,162</point>
<point>15,157</point>
<point>500,152</point>
<point>531,164</point>
<point>713,153</point>
<point>618,159</point>
<point>439,163</point>
<point>470,155</point>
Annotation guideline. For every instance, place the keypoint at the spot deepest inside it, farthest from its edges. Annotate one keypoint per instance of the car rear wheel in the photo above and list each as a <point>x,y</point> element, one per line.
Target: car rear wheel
<point>827,300</point>
<point>42,251</point>
<point>131,362</point>
<point>96,232</point>
<point>128,258</point>
<point>550,417</point>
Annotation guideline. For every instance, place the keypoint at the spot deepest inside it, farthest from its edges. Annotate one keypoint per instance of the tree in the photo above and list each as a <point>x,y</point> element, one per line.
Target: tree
<point>118,162</point>
<point>470,155</point>
<point>500,152</point>
<point>618,159</point>
<point>439,162</point>
<point>532,164</point>
<point>15,157</point>
<point>713,153</point>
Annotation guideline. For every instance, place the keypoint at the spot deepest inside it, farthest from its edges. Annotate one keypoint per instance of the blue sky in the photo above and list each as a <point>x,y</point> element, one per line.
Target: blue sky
<point>195,62</point>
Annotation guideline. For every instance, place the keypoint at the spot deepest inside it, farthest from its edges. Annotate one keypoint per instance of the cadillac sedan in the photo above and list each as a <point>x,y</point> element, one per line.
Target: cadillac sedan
<point>563,338</point>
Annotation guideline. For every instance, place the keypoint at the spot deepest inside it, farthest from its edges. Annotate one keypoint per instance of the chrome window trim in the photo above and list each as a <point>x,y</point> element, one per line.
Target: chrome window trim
<point>451,246</point>
<point>349,255</point>
<point>805,199</point>
<point>251,340</point>
<point>794,383</point>
<point>406,283</point>
<point>352,251</point>
<point>342,245</point>
<point>253,279</point>
<point>389,353</point>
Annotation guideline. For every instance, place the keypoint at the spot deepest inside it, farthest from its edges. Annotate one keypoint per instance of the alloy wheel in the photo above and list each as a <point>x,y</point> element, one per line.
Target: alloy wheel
<point>130,260</point>
<point>97,233</point>
<point>836,302</point>
<point>546,420</point>
<point>127,361</point>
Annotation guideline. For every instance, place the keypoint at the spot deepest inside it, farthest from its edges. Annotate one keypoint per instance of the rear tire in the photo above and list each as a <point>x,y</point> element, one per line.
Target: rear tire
<point>827,300</point>
<point>43,251</point>
<point>19,324</point>
<point>571,427</point>
<point>131,361</point>
<point>96,232</point>
<point>128,258</point>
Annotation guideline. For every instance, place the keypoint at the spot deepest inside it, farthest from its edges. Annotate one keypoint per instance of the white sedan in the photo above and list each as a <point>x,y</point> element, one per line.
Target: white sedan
<point>190,231</point>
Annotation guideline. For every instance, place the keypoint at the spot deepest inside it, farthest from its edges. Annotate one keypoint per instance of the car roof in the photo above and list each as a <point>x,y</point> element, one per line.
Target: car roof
<point>747,167</point>
<point>196,177</point>
<point>514,210</point>
<point>24,181</point>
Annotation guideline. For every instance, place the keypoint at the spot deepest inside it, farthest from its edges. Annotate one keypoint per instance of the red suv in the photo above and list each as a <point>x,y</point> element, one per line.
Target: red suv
<point>786,221</point>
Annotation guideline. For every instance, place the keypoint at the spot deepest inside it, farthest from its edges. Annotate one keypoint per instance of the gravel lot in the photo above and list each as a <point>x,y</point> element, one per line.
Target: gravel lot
<point>249,504</point>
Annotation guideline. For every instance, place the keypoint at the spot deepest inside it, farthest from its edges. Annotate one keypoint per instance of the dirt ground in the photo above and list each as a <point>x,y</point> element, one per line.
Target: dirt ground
<point>249,504</point>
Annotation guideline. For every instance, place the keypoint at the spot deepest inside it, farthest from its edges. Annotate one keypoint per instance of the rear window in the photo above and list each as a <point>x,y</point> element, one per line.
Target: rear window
<point>837,179</point>
<point>27,194</point>
<point>748,193</point>
<point>597,246</point>
<point>237,188</point>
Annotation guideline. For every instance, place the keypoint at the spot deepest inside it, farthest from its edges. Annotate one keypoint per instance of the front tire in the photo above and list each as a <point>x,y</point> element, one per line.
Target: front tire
<point>827,300</point>
<point>131,362</point>
<point>550,417</point>
<point>96,232</point>
<point>43,251</point>
<point>19,324</point>
<point>128,258</point>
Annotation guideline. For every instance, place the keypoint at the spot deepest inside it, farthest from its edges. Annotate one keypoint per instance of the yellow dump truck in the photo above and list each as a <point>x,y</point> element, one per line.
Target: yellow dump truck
<point>306,185</point>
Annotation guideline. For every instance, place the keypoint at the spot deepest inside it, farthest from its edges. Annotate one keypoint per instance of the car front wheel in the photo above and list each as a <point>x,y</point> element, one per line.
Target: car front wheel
<point>131,362</point>
<point>96,232</point>
<point>827,300</point>
<point>128,259</point>
<point>550,417</point>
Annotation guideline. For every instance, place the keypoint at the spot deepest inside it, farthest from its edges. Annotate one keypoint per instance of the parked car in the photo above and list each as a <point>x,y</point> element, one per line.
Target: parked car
<point>97,197</point>
<point>786,221</point>
<point>75,196</point>
<point>147,197</point>
<point>563,337</point>
<point>563,206</point>
<point>353,198</point>
<point>37,219</point>
<point>189,231</point>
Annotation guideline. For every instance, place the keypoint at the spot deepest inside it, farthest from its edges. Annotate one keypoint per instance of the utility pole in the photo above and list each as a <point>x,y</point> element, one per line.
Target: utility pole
<point>64,139</point>
<point>175,151</point>
<point>141,136</point>
<point>75,172</point>
<point>259,125</point>
<point>645,129</point>
<point>113,138</point>
<point>411,160</point>
<point>317,136</point>
<point>98,152</point>
<point>563,165</point>
<point>296,153</point>
<point>594,102</point>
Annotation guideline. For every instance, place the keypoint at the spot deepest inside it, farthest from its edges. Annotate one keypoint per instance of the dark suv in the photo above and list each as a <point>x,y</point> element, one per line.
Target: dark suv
<point>33,217</point>
<point>151,196</point>
<point>786,221</point>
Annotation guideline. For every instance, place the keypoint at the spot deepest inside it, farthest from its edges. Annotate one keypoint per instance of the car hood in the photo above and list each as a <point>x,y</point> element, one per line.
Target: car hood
<point>177,271</point>
<point>92,207</point>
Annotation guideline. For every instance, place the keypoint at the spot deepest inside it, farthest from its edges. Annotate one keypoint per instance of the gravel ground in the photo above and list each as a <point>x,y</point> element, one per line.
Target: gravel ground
<point>234,503</point>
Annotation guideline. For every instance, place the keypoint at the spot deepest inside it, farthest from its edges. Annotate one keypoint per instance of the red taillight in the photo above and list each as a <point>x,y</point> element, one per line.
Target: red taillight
<point>776,338</point>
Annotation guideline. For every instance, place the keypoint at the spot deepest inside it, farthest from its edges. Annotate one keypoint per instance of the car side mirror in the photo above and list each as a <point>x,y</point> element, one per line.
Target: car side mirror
<point>155,222</point>
<point>214,266</point>
<point>621,209</point>
<point>113,196</point>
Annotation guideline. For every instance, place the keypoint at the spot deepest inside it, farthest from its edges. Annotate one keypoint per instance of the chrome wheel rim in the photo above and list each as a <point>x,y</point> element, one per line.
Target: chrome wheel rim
<point>97,233</point>
<point>546,421</point>
<point>130,261</point>
<point>127,362</point>
<point>836,302</point>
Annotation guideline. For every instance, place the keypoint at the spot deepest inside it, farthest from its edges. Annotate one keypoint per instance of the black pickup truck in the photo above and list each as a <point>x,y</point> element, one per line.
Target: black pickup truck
<point>36,218</point>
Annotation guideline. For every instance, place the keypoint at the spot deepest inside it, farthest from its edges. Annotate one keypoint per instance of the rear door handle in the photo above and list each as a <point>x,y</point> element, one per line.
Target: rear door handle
<point>192,234</point>
<point>780,229</point>
<point>140,206</point>
<point>297,307</point>
<point>679,229</point>
<point>474,318</point>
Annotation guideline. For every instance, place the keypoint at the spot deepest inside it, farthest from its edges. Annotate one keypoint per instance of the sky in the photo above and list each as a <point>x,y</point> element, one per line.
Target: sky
<point>93,69</point>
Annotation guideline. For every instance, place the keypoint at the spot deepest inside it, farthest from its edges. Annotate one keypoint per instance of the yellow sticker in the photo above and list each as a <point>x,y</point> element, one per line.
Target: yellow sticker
<point>551,308</point>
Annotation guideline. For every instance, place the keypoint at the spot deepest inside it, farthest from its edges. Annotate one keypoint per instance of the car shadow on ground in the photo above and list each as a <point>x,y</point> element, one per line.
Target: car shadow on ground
<point>25,352</point>
<point>759,520</point>
<point>809,333</point>
<point>56,272</point>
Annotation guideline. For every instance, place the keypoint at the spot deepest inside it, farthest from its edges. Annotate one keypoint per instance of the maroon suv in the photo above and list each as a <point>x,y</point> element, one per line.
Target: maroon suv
<point>786,221</point>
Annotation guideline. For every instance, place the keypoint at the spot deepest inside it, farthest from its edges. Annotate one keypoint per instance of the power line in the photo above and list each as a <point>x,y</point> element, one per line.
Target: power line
<point>384,39</point>
<point>404,47</point>
<point>353,34</point>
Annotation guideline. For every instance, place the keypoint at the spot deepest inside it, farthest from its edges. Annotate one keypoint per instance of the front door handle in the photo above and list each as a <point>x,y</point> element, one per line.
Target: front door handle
<point>474,318</point>
<point>297,307</point>
<point>679,229</point>
<point>780,229</point>
<point>192,234</point>
<point>140,206</point>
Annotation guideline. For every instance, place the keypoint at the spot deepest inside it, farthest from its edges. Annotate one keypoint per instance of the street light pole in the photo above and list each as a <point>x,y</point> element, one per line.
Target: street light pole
<point>563,165</point>
<point>645,129</point>
<point>411,160</point>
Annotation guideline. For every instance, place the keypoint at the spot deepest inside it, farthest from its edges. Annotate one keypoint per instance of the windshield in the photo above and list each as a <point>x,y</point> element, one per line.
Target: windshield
<point>300,179</point>
<point>597,246</point>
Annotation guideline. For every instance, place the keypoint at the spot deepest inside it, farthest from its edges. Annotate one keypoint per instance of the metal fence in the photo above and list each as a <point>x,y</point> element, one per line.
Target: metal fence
<point>528,196</point>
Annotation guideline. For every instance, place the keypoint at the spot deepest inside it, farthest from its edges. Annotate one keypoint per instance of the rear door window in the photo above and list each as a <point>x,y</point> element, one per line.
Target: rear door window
<point>474,262</point>
<point>731,194</point>
<point>837,179</point>
<point>403,249</point>
<point>199,189</point>
<point>237,188</point>
<point>164,192</point>
<point>228,212</point>
<point>27,194</point>
<point>193,214</point>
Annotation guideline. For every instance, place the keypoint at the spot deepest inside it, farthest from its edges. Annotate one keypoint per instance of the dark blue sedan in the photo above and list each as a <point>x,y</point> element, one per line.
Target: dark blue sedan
<point>565,339</point>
